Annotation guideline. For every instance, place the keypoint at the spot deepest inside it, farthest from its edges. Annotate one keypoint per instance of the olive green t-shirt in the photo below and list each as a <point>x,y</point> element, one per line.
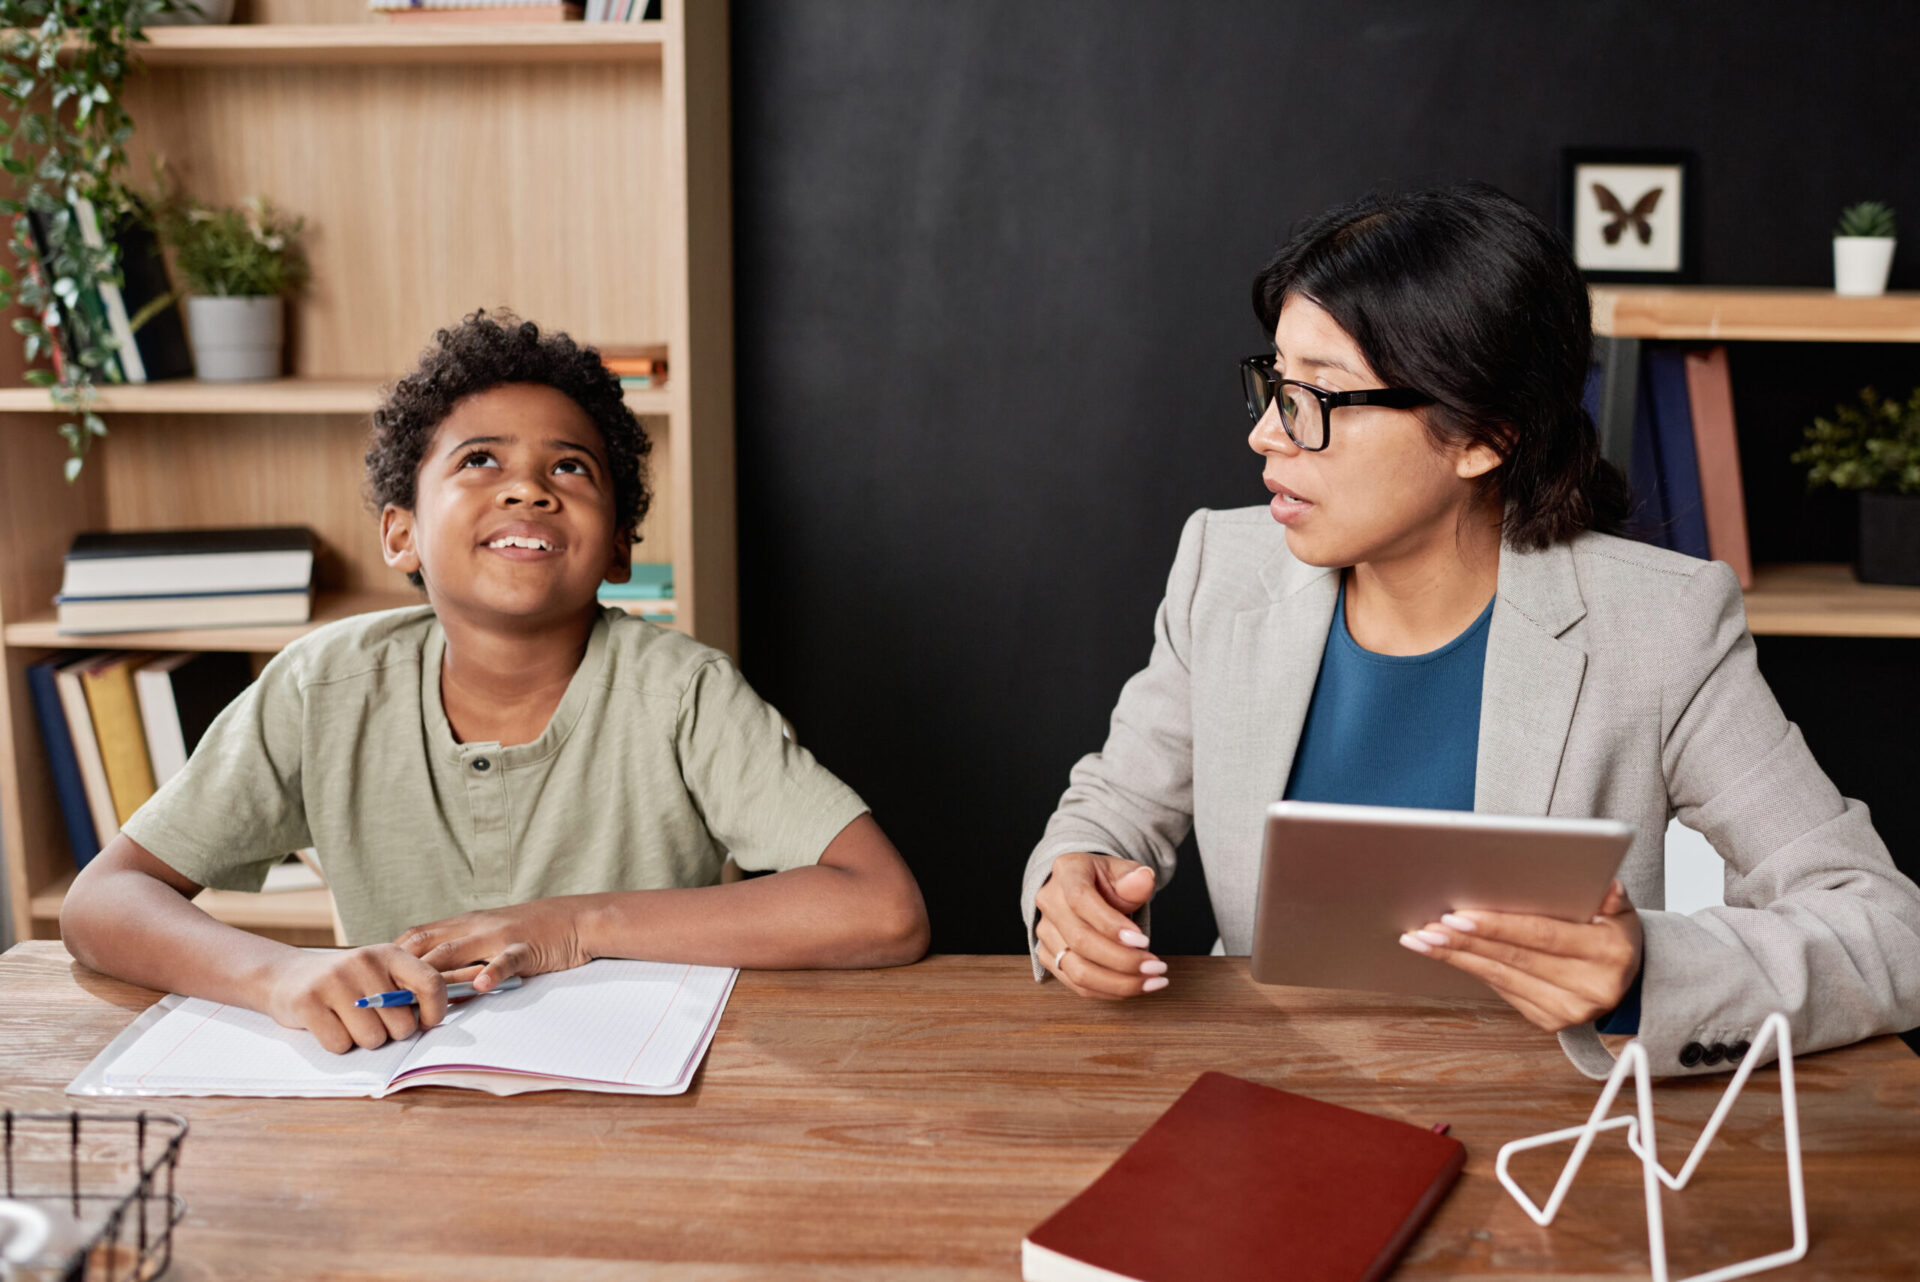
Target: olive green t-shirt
<point>658,763</point>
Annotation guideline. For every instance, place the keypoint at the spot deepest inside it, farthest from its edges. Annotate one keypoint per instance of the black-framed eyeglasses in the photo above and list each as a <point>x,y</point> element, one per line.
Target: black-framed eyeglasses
<point>1305,410</point>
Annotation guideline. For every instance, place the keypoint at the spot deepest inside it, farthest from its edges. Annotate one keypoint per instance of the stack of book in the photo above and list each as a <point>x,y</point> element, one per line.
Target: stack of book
<point>1685,468</point>
<point>648,593</point>
<point>139,313</point>
<point>475,11</point>
<point>623,10</point>
<point>642,367</point>
<point>140,581</point>
<point>117,725</point>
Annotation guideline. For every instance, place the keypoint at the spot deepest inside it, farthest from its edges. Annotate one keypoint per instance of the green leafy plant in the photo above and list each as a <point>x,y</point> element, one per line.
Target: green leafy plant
<point>1872,444</point>
<point>250,252</point>
<point>63,140</point>
<point>1868,218</point>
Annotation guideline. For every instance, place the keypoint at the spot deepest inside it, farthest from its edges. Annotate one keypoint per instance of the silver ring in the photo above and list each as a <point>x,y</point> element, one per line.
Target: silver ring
<point>1057,956</point>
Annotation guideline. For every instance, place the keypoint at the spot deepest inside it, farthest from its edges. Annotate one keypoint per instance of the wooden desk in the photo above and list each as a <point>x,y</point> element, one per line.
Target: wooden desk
<point>912,1125</point>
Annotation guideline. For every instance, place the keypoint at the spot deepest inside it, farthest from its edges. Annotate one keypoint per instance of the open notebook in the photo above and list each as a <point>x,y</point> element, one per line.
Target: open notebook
<point>630,1027</point>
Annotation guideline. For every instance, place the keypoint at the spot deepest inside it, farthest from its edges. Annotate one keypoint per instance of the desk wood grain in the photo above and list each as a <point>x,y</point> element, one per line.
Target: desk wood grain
<point>913,1124</point>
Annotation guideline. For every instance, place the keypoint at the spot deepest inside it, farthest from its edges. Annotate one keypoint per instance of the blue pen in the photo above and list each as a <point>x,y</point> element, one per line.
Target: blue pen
<point>406,997</point>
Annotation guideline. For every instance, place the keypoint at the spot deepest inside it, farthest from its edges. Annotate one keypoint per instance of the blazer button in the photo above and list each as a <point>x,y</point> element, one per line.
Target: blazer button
<point>1691,1053</point>
<point>1715,1053</point>
<point>1738,1051</point>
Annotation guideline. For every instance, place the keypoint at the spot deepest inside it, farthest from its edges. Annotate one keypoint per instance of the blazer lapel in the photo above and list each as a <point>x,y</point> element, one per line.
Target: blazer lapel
<point>1278,645</point>
<point>1532,682</point>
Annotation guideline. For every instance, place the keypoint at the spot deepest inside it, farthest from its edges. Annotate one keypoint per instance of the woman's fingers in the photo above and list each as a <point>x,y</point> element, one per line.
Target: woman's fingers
<point>1102,949</point>
<point>1091,980</point>
<point>1088,974</point>
<point>1562,1007</point>
<point>1126,886</point>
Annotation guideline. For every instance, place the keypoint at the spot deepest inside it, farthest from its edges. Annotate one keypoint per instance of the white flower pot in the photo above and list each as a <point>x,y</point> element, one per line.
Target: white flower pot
<point>235,339</point>
<point>1861,264</point>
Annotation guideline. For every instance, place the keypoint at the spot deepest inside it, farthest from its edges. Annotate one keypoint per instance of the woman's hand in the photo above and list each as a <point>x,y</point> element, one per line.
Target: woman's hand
<point>526,939</point>
<point>317,992</point>
<point>1556,973</point>
<point>1087,937</point>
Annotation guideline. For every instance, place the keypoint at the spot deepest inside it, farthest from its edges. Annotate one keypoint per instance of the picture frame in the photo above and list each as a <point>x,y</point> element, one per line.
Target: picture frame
<point>1628,213</point>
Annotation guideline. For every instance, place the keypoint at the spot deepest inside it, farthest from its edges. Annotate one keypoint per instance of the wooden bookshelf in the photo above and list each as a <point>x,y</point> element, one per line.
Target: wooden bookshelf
<point>1728,314</point>
<point>274,396</point>
<point>575,173</point>
<point>43,631</point>
<point>1828,601</point>
<point>384,43</point>
<point>303,917</point>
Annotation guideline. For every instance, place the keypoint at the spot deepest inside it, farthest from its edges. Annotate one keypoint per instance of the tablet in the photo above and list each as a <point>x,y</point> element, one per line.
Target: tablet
<point>1339,885</point>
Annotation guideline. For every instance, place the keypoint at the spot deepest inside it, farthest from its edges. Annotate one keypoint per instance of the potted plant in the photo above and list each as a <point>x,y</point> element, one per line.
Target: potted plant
<point>240,265</point>
<point>1873,446</point>
<point>63,140</point>
<point>1863,248</point>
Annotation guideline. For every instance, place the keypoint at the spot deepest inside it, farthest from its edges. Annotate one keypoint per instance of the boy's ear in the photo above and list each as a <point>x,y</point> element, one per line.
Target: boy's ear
<point>620,564</point>
<point>396,539</point>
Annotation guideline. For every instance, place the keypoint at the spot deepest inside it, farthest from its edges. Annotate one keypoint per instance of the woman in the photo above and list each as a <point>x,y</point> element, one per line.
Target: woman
<point>1433,611</point>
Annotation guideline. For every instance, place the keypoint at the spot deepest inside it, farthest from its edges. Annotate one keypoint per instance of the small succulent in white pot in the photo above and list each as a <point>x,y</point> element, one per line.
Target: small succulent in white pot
<point>1863,248</point>
<point>239,264</point>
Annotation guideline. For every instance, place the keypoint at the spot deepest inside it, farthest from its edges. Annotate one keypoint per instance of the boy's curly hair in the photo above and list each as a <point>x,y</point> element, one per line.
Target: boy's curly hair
<point>487,350</point>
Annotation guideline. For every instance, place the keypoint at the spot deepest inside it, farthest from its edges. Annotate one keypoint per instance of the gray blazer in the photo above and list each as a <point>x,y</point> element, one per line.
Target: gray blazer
<point>1621,683</point>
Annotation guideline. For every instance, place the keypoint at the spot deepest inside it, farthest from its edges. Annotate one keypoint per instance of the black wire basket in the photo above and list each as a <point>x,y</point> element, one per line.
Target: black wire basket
<point>104,1182</point>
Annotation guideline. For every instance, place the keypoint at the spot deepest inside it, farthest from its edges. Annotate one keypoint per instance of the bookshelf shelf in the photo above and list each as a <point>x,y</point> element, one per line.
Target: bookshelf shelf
<point>665,605</point>
<point>1727,314</point>
<point>275,396</point>
<point>1827,601</point>
<point>382,43</point>
<point>297,916</point>
<point>42,631</point>
<point>576,173</point>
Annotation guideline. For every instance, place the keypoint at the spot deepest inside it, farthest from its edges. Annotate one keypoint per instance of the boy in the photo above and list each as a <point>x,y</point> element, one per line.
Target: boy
<point>508,777</point>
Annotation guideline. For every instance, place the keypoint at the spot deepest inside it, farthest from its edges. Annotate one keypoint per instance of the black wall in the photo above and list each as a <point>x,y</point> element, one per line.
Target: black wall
<point>992,272</point>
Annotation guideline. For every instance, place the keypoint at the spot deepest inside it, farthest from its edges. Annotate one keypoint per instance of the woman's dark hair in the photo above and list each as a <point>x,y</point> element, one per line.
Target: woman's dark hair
<point>486,351</point>
<point>1462,293</point>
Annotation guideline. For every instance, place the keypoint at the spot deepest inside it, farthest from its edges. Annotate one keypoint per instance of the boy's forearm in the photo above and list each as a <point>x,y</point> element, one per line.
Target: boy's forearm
<point>858,907</point>
<point>797,920</point>
<point>124,922</point>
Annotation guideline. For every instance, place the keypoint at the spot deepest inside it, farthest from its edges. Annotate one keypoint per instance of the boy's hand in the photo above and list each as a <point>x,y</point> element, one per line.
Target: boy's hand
<point>317,992</point>
<point>1086,932</point>
<point>526,939</point>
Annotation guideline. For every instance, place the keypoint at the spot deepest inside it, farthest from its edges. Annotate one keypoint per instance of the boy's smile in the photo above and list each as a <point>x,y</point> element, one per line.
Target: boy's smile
<point>513,509</point>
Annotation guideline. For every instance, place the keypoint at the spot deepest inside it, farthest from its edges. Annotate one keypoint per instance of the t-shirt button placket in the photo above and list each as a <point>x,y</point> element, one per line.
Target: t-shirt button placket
<point>486,796</point>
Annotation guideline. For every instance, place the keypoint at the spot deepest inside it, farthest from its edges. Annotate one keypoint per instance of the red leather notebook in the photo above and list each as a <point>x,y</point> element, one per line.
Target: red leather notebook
<point>1238,1180</point>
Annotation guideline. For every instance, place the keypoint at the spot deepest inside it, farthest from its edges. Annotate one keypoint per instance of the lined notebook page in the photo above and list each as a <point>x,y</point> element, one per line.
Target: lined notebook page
<point>202,1047</point>
<point>632,1022</point>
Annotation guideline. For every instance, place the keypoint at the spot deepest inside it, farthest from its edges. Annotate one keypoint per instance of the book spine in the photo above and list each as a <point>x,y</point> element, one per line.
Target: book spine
<point>63,763</point>
<point>1416,1218</point>
<point>123,744</point>
<point>1651,521</point>
<point>160,719</point>
<point>1722,493</point>
<point>111,300</point>
<point>57,351</point>
<point>86,751</point>
<point>1679,465</point>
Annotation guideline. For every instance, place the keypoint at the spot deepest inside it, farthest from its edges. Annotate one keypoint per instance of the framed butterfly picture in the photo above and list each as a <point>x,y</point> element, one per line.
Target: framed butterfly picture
<point>1628,213</point>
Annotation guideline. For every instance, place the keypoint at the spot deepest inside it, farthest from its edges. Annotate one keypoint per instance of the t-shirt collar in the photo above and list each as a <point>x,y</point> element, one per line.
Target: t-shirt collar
<point>586,678</point>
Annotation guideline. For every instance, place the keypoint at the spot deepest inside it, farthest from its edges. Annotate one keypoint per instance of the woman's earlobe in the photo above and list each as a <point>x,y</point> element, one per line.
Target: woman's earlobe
<point>1476,460</point>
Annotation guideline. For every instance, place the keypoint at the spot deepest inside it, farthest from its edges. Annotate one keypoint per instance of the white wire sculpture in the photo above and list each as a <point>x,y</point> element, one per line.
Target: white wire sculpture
<point>1634,1059</point>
